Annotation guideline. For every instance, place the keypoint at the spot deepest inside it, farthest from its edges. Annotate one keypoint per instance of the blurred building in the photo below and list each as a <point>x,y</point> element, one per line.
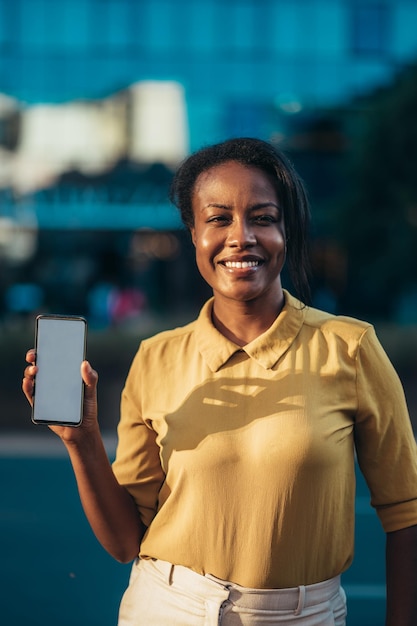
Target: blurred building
<point>85,83</point>
<point>235,58</point>
<point>100,99</point>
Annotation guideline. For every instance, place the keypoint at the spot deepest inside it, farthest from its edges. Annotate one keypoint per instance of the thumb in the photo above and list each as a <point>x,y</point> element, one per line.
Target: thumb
<point>88,374</point>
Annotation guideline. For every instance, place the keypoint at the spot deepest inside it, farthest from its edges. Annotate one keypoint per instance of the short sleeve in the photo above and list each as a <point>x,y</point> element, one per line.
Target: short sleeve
<point>137,464</point>
<point>384,439</point>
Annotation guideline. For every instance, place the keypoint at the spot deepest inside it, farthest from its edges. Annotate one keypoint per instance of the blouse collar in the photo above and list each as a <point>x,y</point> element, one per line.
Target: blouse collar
<point>266,349</point>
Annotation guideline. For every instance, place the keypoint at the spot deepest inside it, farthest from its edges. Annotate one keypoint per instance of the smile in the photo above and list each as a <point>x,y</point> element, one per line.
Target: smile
<point>241,264</point>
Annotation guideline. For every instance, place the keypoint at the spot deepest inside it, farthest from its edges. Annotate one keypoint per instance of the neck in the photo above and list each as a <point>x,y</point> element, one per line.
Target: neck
<point>242,322</point>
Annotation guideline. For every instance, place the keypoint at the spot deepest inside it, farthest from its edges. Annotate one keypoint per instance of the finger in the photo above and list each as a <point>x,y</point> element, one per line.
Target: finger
<point>30,372</point>
<point>89,376</point>
<point>31,355</point>
<point>27,388</point>
<point>28,383</point>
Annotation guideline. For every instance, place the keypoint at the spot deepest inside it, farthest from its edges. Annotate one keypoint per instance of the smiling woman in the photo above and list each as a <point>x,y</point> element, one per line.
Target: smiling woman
<point>233,486</point>
<point>275,175</point>
<point>239,236</point>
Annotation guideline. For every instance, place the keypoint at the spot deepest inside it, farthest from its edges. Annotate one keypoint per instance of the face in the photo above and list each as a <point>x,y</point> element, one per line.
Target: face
<point>239,232</point>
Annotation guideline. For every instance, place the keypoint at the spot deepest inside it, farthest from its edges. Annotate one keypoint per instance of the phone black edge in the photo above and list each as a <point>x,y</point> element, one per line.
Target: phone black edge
<point>59,316</point>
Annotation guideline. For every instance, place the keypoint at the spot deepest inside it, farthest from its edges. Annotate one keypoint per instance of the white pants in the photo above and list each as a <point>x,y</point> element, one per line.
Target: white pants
<point>160,594</point>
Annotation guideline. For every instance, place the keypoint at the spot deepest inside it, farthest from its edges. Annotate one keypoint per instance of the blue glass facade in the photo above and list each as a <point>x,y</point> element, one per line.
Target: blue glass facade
<point>268,68</point>
<point>320,52</point>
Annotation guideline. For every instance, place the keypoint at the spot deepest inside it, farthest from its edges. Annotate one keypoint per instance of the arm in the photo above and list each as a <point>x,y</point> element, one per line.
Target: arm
<point>383,432</point>
<point>401,560</point>
<point>109,508</point>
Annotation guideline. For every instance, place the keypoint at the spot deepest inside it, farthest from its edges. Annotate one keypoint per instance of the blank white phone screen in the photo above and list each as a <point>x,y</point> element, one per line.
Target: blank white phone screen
<point>60,350</point>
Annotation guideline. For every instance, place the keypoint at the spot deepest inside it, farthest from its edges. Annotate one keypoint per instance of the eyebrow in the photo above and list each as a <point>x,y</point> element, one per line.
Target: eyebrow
<point>254,207</point>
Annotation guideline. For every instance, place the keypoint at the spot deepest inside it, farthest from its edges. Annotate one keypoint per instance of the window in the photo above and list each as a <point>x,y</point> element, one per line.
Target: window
<point>115,24</point>
<point>370,28</point>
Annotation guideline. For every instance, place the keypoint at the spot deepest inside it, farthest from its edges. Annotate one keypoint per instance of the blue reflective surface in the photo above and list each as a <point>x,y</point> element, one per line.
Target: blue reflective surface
<point>53,571</point>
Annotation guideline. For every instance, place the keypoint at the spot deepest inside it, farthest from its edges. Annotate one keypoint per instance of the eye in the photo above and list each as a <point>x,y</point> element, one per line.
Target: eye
<point>265,219</point>
<point>218,219</point>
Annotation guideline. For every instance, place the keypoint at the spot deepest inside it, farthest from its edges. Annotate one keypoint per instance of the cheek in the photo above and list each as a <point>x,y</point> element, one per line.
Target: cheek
<point>275,241</point>
<point>204,264</point>
<point>205,243</point>
<point>202,252</point>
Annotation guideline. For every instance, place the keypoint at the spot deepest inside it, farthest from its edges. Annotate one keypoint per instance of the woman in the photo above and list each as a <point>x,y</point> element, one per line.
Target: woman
<point>234,472</point>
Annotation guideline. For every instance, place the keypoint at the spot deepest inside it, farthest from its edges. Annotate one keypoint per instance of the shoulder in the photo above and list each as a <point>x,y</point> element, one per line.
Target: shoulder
<point>328,324</point>
<point>342,325</point>
<point>342,335</point>
<point>162,352</point>
<point>169,339</point>
<point>180,337</point>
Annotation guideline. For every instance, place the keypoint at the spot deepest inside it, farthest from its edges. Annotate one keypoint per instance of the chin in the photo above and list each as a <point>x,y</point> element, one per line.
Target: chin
<point>244,297</point>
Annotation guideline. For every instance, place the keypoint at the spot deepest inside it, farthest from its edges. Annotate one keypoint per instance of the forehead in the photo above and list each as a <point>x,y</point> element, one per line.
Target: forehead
<point>233,175</point>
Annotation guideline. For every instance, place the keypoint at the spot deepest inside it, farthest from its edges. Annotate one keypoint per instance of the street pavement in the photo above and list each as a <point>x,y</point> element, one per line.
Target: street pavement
<point>54,573</point>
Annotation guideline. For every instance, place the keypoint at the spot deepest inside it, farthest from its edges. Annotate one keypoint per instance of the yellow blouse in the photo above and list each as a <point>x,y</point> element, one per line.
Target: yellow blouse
<point>241,460</point>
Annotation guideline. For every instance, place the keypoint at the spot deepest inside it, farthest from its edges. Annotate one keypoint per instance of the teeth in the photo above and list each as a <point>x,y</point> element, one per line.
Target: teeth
<point>241,264</point>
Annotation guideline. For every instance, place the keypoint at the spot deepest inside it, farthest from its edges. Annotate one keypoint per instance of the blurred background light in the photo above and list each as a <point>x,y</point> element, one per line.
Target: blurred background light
<point>288,103</point>
<point>159,126</point>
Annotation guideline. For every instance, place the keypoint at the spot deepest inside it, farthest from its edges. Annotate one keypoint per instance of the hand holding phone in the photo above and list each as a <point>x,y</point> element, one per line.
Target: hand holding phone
<point>60,344</point>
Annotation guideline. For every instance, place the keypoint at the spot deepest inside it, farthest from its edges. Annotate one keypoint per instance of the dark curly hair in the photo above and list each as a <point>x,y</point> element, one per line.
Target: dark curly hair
<point>291,192</point>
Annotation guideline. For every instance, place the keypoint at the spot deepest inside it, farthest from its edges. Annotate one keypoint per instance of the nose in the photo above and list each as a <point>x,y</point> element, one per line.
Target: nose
<point>241,235</point>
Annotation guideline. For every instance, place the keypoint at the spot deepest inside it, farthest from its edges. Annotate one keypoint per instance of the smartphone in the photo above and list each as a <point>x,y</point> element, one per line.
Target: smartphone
<point>60,343</point>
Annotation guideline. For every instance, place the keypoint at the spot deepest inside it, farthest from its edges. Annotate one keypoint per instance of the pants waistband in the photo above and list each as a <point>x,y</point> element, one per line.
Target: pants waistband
<point>291,599</point>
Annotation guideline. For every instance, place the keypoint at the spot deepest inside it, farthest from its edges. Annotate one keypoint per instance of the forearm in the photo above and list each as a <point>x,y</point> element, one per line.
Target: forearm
<point>109,508</point>
<point>401,560</point>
